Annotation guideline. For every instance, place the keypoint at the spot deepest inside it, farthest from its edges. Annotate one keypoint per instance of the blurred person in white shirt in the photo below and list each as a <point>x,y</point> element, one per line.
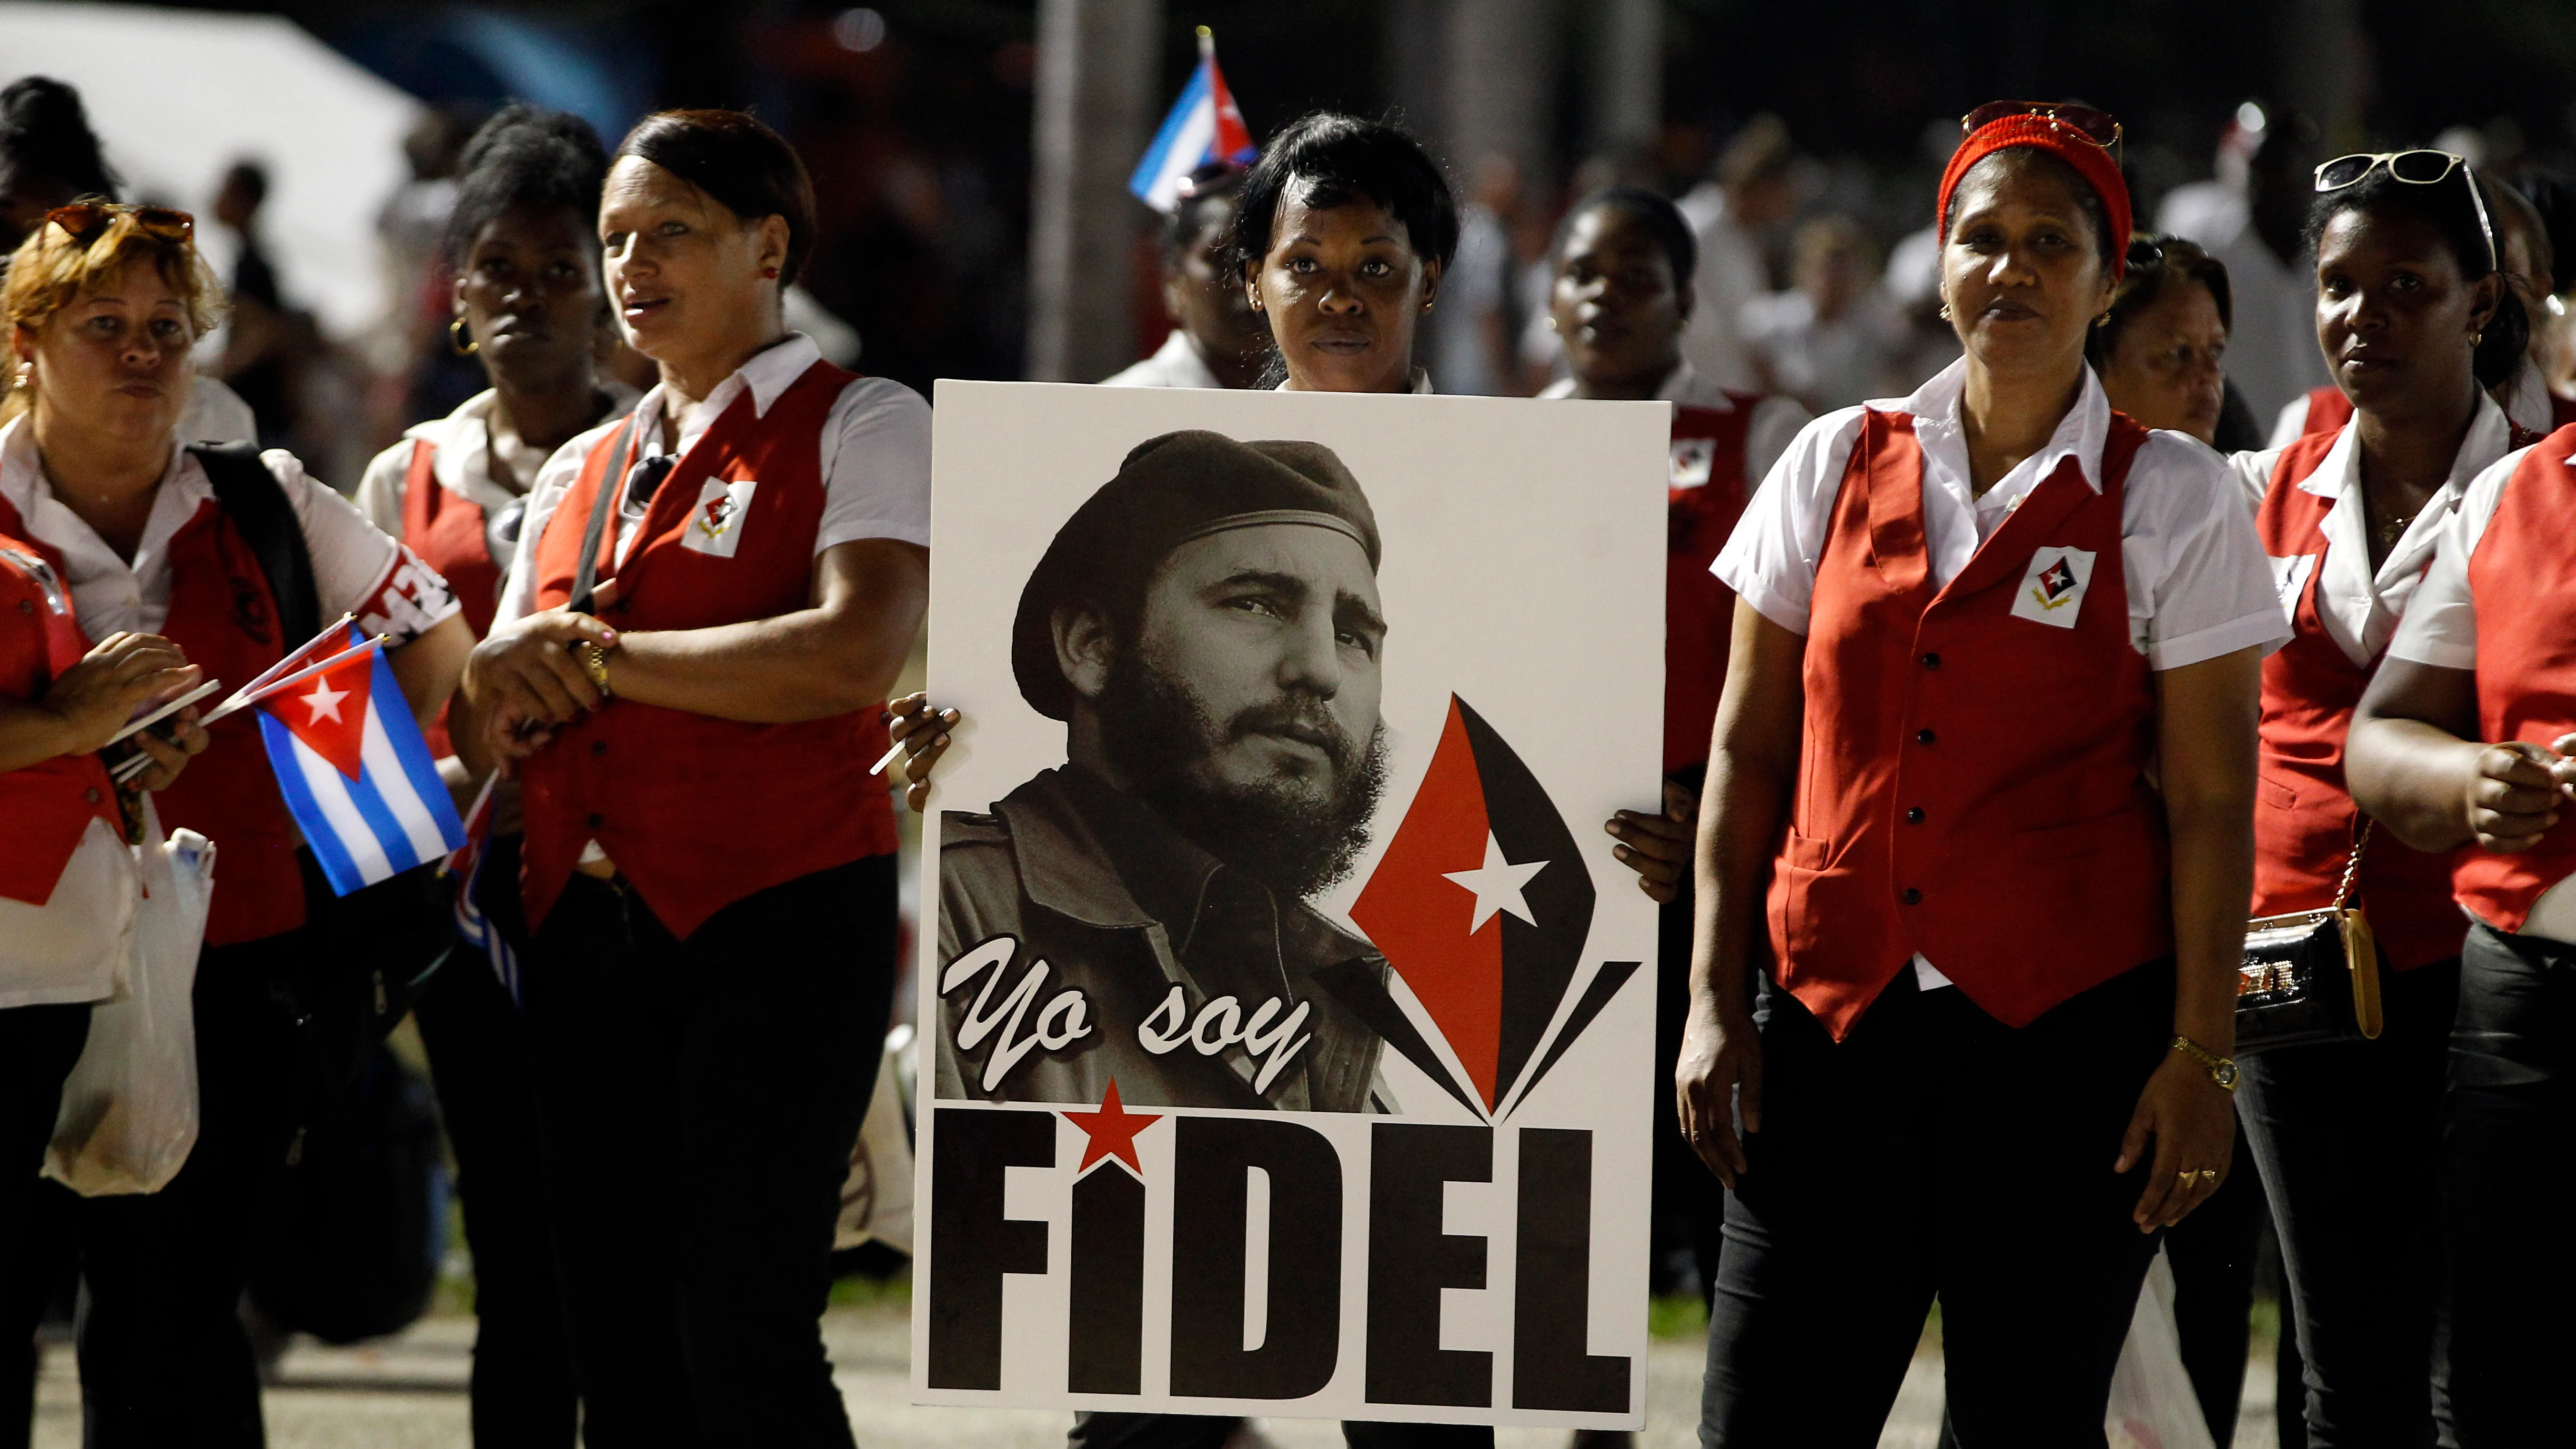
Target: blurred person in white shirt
<point>1821,341</point>
<point>1749,190</point>
<point>2272,352</point>
<point>1216,340</point>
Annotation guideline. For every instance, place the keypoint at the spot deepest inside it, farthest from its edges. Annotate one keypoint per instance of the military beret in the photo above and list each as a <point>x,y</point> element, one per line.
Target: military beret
<point>1169,490</point>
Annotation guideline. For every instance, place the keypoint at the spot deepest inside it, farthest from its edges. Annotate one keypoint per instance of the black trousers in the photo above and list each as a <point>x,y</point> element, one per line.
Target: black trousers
<point>163,1356</point>
<point>523,1394</point>
<point>1935,1153</point>
<point>2507,1179</point>
<point>38,1046</point>
<point>699,1100</point>
<point>2346,1135</point>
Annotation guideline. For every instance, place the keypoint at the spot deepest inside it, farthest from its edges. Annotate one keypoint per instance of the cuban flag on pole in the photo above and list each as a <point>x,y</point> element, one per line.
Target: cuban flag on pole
<point>1203,129</point>
<point>355,771</point>
<point>473,927</point>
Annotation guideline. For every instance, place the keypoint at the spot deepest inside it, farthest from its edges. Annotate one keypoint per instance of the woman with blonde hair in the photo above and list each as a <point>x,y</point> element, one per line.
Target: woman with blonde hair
<point>214,549</point>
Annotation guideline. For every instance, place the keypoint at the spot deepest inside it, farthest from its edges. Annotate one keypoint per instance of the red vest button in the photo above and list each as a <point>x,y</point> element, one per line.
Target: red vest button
<point>90,794</point>
<point>598,748</point>
<point>1910,896</point>
<point>1924,737</point>
<point>1914,815</point>
<point>1931,661</point>
<point>26,606</point>
<point>596,820</point>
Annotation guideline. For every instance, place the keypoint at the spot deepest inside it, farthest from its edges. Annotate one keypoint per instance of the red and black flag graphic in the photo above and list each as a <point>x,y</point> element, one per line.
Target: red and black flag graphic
<point>2057,580</point>
<point>1482,904</point>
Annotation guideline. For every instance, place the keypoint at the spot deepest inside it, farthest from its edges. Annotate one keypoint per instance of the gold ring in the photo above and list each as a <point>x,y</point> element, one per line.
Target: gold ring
<point>2209,1174</point>
<point>2190,1176</point>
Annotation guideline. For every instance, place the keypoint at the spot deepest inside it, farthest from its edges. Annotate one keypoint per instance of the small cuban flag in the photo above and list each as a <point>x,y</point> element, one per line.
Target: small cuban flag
<point>1204,128</point>
<point>354,769</point>
<point>473,927</point>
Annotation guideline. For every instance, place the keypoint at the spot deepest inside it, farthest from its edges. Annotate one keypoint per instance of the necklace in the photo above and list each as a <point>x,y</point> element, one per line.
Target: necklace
<point>2393,529</point>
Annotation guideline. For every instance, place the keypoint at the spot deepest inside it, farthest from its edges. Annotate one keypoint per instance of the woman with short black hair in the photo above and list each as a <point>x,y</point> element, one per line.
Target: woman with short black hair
<point>1341,233</point>
<point>709,600</point>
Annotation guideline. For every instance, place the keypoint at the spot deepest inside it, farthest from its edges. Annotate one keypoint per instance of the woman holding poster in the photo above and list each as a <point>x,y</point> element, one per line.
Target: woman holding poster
<point>2003,817</point>
<point>709,600</point>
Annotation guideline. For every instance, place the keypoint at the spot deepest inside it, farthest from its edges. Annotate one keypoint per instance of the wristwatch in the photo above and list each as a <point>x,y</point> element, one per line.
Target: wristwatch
<point>594,662</point>
<point>2222,1070</point>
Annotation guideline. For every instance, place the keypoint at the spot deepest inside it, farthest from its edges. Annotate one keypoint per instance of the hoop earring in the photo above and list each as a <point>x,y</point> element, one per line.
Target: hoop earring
<point>2478,339</point>
<point>458,342</point>
<point>1945,311</point>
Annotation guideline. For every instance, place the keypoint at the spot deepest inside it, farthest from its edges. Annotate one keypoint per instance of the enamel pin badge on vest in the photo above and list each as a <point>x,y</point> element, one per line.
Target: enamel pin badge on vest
<point>2052,588</point>
<point>1692,461</point>
<point>715,525</point>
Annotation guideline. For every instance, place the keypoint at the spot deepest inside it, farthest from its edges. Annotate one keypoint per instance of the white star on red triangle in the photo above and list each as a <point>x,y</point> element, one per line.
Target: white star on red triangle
<point>1498,885</point>
<point>324,701</point>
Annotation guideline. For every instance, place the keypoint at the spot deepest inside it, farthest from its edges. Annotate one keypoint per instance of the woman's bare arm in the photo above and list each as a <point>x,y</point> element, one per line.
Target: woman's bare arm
<point>1752,768</point>
<point>2414,762</point>
<point>2206,715</point>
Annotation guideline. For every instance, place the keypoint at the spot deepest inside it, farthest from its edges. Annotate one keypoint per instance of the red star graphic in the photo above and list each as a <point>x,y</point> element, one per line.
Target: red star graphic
<point>1113,1131</point>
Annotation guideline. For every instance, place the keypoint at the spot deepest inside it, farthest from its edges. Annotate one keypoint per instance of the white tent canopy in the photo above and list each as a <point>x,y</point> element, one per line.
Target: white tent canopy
<point>179,95</point>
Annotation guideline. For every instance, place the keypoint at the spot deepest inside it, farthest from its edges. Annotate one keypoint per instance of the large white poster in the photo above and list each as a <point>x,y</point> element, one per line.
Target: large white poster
<point>1287,1025</point>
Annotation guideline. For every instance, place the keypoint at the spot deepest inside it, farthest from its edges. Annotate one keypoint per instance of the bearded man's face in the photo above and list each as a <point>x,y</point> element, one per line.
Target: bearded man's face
<point>1245,707</point>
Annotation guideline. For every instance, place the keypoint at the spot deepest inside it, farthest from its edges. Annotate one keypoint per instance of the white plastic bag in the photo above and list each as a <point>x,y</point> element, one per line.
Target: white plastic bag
<point>2153,1405</point>
<point>876,1199</point>
<point>129,1114</point>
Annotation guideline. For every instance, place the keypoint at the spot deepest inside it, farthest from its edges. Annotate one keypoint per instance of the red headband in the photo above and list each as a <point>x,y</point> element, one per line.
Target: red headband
<point>2058,139</point>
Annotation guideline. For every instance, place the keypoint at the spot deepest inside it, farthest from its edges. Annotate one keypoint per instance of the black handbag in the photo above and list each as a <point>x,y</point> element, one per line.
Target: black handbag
<point>2310,976</point>
<point>378,945</point>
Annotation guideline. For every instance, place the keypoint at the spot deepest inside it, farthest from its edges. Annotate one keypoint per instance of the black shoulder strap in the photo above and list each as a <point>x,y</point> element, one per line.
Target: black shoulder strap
<point>250,497</point>
<point>611,484</point>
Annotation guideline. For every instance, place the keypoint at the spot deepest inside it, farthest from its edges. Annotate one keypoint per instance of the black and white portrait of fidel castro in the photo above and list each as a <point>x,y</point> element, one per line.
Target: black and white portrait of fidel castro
<point>1207,626</point>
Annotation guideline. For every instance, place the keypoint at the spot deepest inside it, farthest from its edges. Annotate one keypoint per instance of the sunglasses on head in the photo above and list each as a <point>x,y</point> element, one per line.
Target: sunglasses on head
<point>2095,126</point>
<point>2414,168</point>
<point>87,221</point>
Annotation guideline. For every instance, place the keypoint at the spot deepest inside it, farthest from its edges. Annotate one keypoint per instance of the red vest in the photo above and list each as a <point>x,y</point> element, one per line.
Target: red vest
<point>222,614</point>
<point>2524,580</point>
<point>1706,497</point>
<point>699,812</point>
<point>48,805</point>
<point>447,531</point>
<point>1972,784</point>
<point>2328,411</point>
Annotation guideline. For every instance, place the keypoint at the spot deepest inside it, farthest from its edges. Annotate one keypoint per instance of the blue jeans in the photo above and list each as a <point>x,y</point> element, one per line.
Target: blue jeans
<point>2346,1134</point>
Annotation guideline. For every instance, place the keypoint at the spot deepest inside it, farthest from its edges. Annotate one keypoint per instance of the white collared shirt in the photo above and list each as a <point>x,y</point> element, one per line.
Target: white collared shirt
<point>2190,559</point>
<point>2360,607</point>
<point>357,569</point>
<point>463,454</point>
<point>2441,624</point>
<point>2197,583</point>
<point>875,460</point>
<point>73,947</point>
<point>1773,426</point>
<point>1174,364</point>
